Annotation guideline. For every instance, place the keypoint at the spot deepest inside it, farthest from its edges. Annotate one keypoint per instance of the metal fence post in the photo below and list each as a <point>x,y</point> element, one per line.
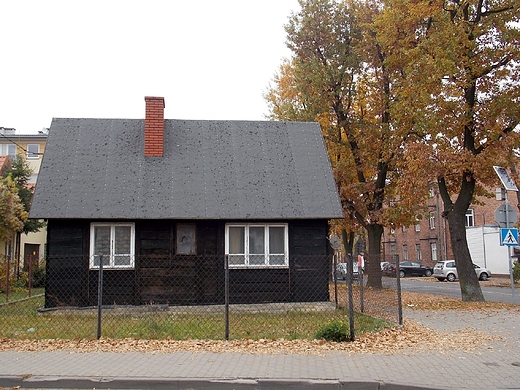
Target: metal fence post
<point>334,264</point>
<point>29,277</point>
<point>399,299</point>
<point>350,296</point>
<point>7,272</point>
<point>226,295</point>
<point>361,283</point>
<point>100,295</point>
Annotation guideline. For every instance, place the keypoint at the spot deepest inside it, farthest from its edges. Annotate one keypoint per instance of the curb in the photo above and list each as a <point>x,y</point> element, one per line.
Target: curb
<point>59,382</point>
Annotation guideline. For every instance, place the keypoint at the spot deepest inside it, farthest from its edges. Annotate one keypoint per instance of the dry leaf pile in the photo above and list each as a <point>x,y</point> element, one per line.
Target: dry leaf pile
<point>408,339</point>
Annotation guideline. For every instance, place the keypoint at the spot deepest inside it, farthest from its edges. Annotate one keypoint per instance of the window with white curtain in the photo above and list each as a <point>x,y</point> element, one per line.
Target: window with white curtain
<point>115,241</point>
<point>257,245</point>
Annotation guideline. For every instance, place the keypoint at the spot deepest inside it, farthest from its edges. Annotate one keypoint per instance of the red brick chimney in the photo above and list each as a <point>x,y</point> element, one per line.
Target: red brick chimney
<point>154,126</point>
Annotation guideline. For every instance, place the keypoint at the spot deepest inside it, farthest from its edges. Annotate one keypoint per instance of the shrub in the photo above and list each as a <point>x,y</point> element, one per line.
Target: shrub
<point>335,330</point>
<point>19,283</point>
<point>516,271</point>
<point>38,277</point>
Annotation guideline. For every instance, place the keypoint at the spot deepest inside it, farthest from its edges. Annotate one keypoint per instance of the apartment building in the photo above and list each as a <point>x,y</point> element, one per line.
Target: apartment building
<point>29,147</point>
<point>428,241</point>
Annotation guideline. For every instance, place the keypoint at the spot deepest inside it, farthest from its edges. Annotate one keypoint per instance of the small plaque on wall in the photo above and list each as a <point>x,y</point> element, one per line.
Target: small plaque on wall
<point>186,239</point>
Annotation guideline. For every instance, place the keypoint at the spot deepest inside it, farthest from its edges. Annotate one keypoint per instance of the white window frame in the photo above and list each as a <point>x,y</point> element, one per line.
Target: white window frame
<point>405,252</point>
<point>418,227</point>
<point>470,218</point>
<point>432,221</point>
<point>433,248</point>
<point>33,154</point>
<point>418,253</point>
<point>266,227</point>
<point>8,150</point>
<point>111,264</point>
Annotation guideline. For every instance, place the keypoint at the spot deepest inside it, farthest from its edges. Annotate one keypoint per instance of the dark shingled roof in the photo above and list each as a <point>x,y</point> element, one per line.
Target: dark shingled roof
<point>95,168</point>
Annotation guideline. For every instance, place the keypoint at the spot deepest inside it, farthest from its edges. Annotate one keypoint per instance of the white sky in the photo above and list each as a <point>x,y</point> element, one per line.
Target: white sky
<point>209,59</point>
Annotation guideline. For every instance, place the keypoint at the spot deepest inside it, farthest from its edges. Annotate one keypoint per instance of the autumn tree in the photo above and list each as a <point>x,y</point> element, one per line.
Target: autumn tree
<point>20,173</point>
<point>462,72</point>
<point>12,213</point>
<point>338,77</point>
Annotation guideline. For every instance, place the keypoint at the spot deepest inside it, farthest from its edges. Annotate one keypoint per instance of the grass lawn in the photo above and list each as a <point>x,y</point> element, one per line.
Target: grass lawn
<point>18,294</point>
<point>22,320</point>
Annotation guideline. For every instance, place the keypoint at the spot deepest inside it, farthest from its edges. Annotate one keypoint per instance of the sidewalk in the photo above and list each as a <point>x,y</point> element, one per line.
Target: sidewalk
<point>494,365</point>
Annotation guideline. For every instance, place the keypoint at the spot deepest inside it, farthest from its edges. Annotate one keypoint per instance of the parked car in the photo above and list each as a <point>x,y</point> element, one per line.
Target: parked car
<point>388,269</point>
<point>446,270</point>
<point>409,268</point>
<point>341,271</point>
<point>482,273</point>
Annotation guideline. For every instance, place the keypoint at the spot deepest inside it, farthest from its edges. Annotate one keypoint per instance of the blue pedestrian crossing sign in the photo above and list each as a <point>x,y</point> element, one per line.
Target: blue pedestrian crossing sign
<point>509,237</point>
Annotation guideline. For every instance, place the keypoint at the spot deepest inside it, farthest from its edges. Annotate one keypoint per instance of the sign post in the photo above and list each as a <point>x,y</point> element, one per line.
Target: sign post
<point>508,236</point>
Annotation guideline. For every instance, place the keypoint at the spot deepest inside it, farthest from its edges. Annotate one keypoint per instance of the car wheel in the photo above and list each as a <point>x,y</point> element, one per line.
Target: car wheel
<point>402,274</point>
<point>440,279</point>
<point>428,273</point>
<point>451,277</point>
<point>483,276</point>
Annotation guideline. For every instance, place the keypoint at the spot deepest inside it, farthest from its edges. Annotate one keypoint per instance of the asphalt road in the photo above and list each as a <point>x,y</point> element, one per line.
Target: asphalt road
<point>452,289</point>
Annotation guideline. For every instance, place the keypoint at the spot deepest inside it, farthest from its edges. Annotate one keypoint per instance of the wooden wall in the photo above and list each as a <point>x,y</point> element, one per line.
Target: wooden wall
<point>161,277</point>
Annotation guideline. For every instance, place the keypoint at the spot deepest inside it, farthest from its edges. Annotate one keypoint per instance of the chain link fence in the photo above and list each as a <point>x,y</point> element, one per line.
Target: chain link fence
<point>191,297</point>
<point>380,301</point>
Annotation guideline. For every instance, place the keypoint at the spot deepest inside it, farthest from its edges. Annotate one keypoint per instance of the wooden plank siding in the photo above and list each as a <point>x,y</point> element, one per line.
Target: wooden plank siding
<point>162,277</point>
<point>67,265</point>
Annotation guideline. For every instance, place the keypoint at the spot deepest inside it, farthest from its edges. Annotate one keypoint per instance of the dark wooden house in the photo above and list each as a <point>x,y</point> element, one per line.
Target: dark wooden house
<point>167,203</point>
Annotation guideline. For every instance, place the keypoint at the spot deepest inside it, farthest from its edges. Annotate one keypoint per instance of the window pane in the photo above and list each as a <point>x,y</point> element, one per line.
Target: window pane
<point>33,150</point>
<point>276,240</point>
<point>102,241</point>
<point>106,261</point>
<point>257,260</point>
<point>277,259</point>
<point>122,238</point>
<point>121,260</point>
<point>8,150</point>
<point>256,241</point>
<point>236,260</point>
<point>236,240</point>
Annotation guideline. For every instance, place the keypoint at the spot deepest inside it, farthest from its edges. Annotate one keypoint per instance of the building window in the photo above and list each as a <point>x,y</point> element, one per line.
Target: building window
<point>33,151</point>
<point>186,239</point>
<point>393,251</point>
<point>418,252</point>
<point>470,218</point>
<point>8,150</point>
<point>404,229</point>
<point>433,247</point>
<point>417,227</point>
<point>432,221</point>
<point>257,245</point>
<point>405,252</point>
<point>115,241</point>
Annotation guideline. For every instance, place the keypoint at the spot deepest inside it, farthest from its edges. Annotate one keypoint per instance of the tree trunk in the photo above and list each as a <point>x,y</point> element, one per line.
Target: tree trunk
<point>469,285</point>
<point>348,241</point>
<point>373,259</point>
